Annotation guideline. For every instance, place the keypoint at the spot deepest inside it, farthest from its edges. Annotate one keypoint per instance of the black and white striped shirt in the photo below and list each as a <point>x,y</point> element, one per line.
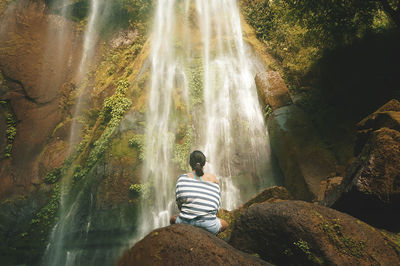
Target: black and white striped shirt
<point>197,199</point>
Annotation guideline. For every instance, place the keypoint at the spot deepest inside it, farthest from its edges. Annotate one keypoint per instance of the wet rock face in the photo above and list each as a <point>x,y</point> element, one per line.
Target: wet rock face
<point>304,159</point>
<point>185,245</point>
<point>301,233</point>
<point>34,66</point>
<point>272,89</point>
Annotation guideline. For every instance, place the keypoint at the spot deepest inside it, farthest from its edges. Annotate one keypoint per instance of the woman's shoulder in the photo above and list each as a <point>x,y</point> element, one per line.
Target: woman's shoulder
<point>210,178</point>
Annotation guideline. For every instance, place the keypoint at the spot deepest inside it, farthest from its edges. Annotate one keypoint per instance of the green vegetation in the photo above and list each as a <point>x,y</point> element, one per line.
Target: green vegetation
<point>305,248</point>
<point>11,130</point>
<point>182,151</point>
<point>195,76</point>
<point>113,110</point>
<point>345,244</point>
<point>137,142</point>
<point>298,32</point>
<point>45,217</point>
<point>267,111</point>
<point>53,176</point>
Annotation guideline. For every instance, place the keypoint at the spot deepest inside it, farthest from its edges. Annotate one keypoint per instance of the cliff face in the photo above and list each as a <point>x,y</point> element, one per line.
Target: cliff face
<point>40,55</point>
<point>35,91</point>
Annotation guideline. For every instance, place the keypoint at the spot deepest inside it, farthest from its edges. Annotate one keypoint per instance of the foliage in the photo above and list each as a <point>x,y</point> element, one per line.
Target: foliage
<point>141,190</point>
<point>305,248</point>
<point>11,130</point>
<point>298,32</point>
<point>267,111</point>
<point>137,142</point>
<point>182,151</point>
<point>113,110</point>
<point>47,214</point>
<point>195,77</point>
<point>53,176</point>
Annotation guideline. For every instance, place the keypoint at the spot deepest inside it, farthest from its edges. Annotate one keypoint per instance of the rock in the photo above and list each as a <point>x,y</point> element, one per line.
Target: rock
<point>386,116</point>
<point>371,187</point>
<point>34,70</point>
<point>272,89</point>
<point>303,158</point>
<point>301,233</point>
<point>328,185</point>
<point>185,245</point>
<point>270,195</point>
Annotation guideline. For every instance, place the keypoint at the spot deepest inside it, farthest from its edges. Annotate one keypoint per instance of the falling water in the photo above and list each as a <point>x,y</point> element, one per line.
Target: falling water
<point>198,55</point>
<point>98,13</point>
<point>67,240</point>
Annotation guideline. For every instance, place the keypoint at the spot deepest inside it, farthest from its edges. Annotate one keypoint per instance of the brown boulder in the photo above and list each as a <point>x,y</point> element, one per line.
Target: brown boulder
<point>185,245</point>
<point>304,159</point>
<point>371,187</point>
<point>386,116</point>
<point>270,195</point>
<point>301,233</point>
<point>272,89</point>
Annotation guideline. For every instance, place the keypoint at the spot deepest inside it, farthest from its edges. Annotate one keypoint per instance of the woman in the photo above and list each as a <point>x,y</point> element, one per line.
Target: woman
<point>198,197</point>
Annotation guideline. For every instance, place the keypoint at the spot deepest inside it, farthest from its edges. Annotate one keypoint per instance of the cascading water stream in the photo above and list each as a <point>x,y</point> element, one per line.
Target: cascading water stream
<point>192,43</point>
<point>57,251</point>
<point>98,9</point>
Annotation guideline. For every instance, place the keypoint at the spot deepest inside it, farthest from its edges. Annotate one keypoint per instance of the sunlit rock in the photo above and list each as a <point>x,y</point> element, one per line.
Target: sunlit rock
<point>272,89</point>
<point>185,245</point>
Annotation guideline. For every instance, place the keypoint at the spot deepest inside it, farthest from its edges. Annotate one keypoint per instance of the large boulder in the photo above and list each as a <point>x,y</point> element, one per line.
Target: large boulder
<point>271,194</point>
<point>387,116</point>
<point>301,233</point>
<point>304,159</point>
<point>185,245</point>
<point>370,189</point>
<point>272,89</point>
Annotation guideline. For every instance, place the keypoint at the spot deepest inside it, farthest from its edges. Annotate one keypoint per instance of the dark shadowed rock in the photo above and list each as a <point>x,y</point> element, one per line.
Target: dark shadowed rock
<point>371,187</point>
<point>387,116</point>
<point>270,195</point>
<point>304,159</point>
<point>185,245</point>
<point>301,233</point>
<point>272,89</point>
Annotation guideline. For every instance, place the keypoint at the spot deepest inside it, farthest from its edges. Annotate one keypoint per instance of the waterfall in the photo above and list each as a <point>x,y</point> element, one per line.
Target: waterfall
<point>198,55</point>
<point>67,241</point>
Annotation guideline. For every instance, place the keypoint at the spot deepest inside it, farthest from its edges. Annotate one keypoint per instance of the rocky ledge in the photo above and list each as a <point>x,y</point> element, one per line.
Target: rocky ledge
<point>185,245</point>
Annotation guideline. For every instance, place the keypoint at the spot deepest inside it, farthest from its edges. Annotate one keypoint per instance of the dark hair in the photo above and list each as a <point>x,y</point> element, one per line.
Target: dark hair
<point>197,161</point>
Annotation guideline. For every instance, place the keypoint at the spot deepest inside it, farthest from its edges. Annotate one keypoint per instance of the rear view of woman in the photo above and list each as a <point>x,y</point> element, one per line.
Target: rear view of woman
<point>198,197</point>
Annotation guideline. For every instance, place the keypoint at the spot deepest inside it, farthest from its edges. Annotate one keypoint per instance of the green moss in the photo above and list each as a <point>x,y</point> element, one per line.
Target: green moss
<point>345,244</point>
<point>53,176</point>
<point>195,76</point>
<point>305,248</point>
<point>182,151</point>
<point>45,217</point>
<point>267,111</point>
<point>11,130</point>
<point>137,142</point>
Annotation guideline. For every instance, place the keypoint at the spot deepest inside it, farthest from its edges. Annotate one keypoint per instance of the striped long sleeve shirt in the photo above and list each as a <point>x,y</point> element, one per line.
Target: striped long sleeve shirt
<point>197,199</point>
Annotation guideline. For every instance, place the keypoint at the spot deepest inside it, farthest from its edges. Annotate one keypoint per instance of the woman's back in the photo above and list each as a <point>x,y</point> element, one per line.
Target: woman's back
<point>198,197</point>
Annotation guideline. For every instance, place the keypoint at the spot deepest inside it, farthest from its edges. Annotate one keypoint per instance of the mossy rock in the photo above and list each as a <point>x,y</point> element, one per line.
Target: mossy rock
<point>301,233</point>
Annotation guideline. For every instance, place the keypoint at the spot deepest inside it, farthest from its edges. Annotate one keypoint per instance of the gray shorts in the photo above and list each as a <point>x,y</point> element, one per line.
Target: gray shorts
<point>212,226</point>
